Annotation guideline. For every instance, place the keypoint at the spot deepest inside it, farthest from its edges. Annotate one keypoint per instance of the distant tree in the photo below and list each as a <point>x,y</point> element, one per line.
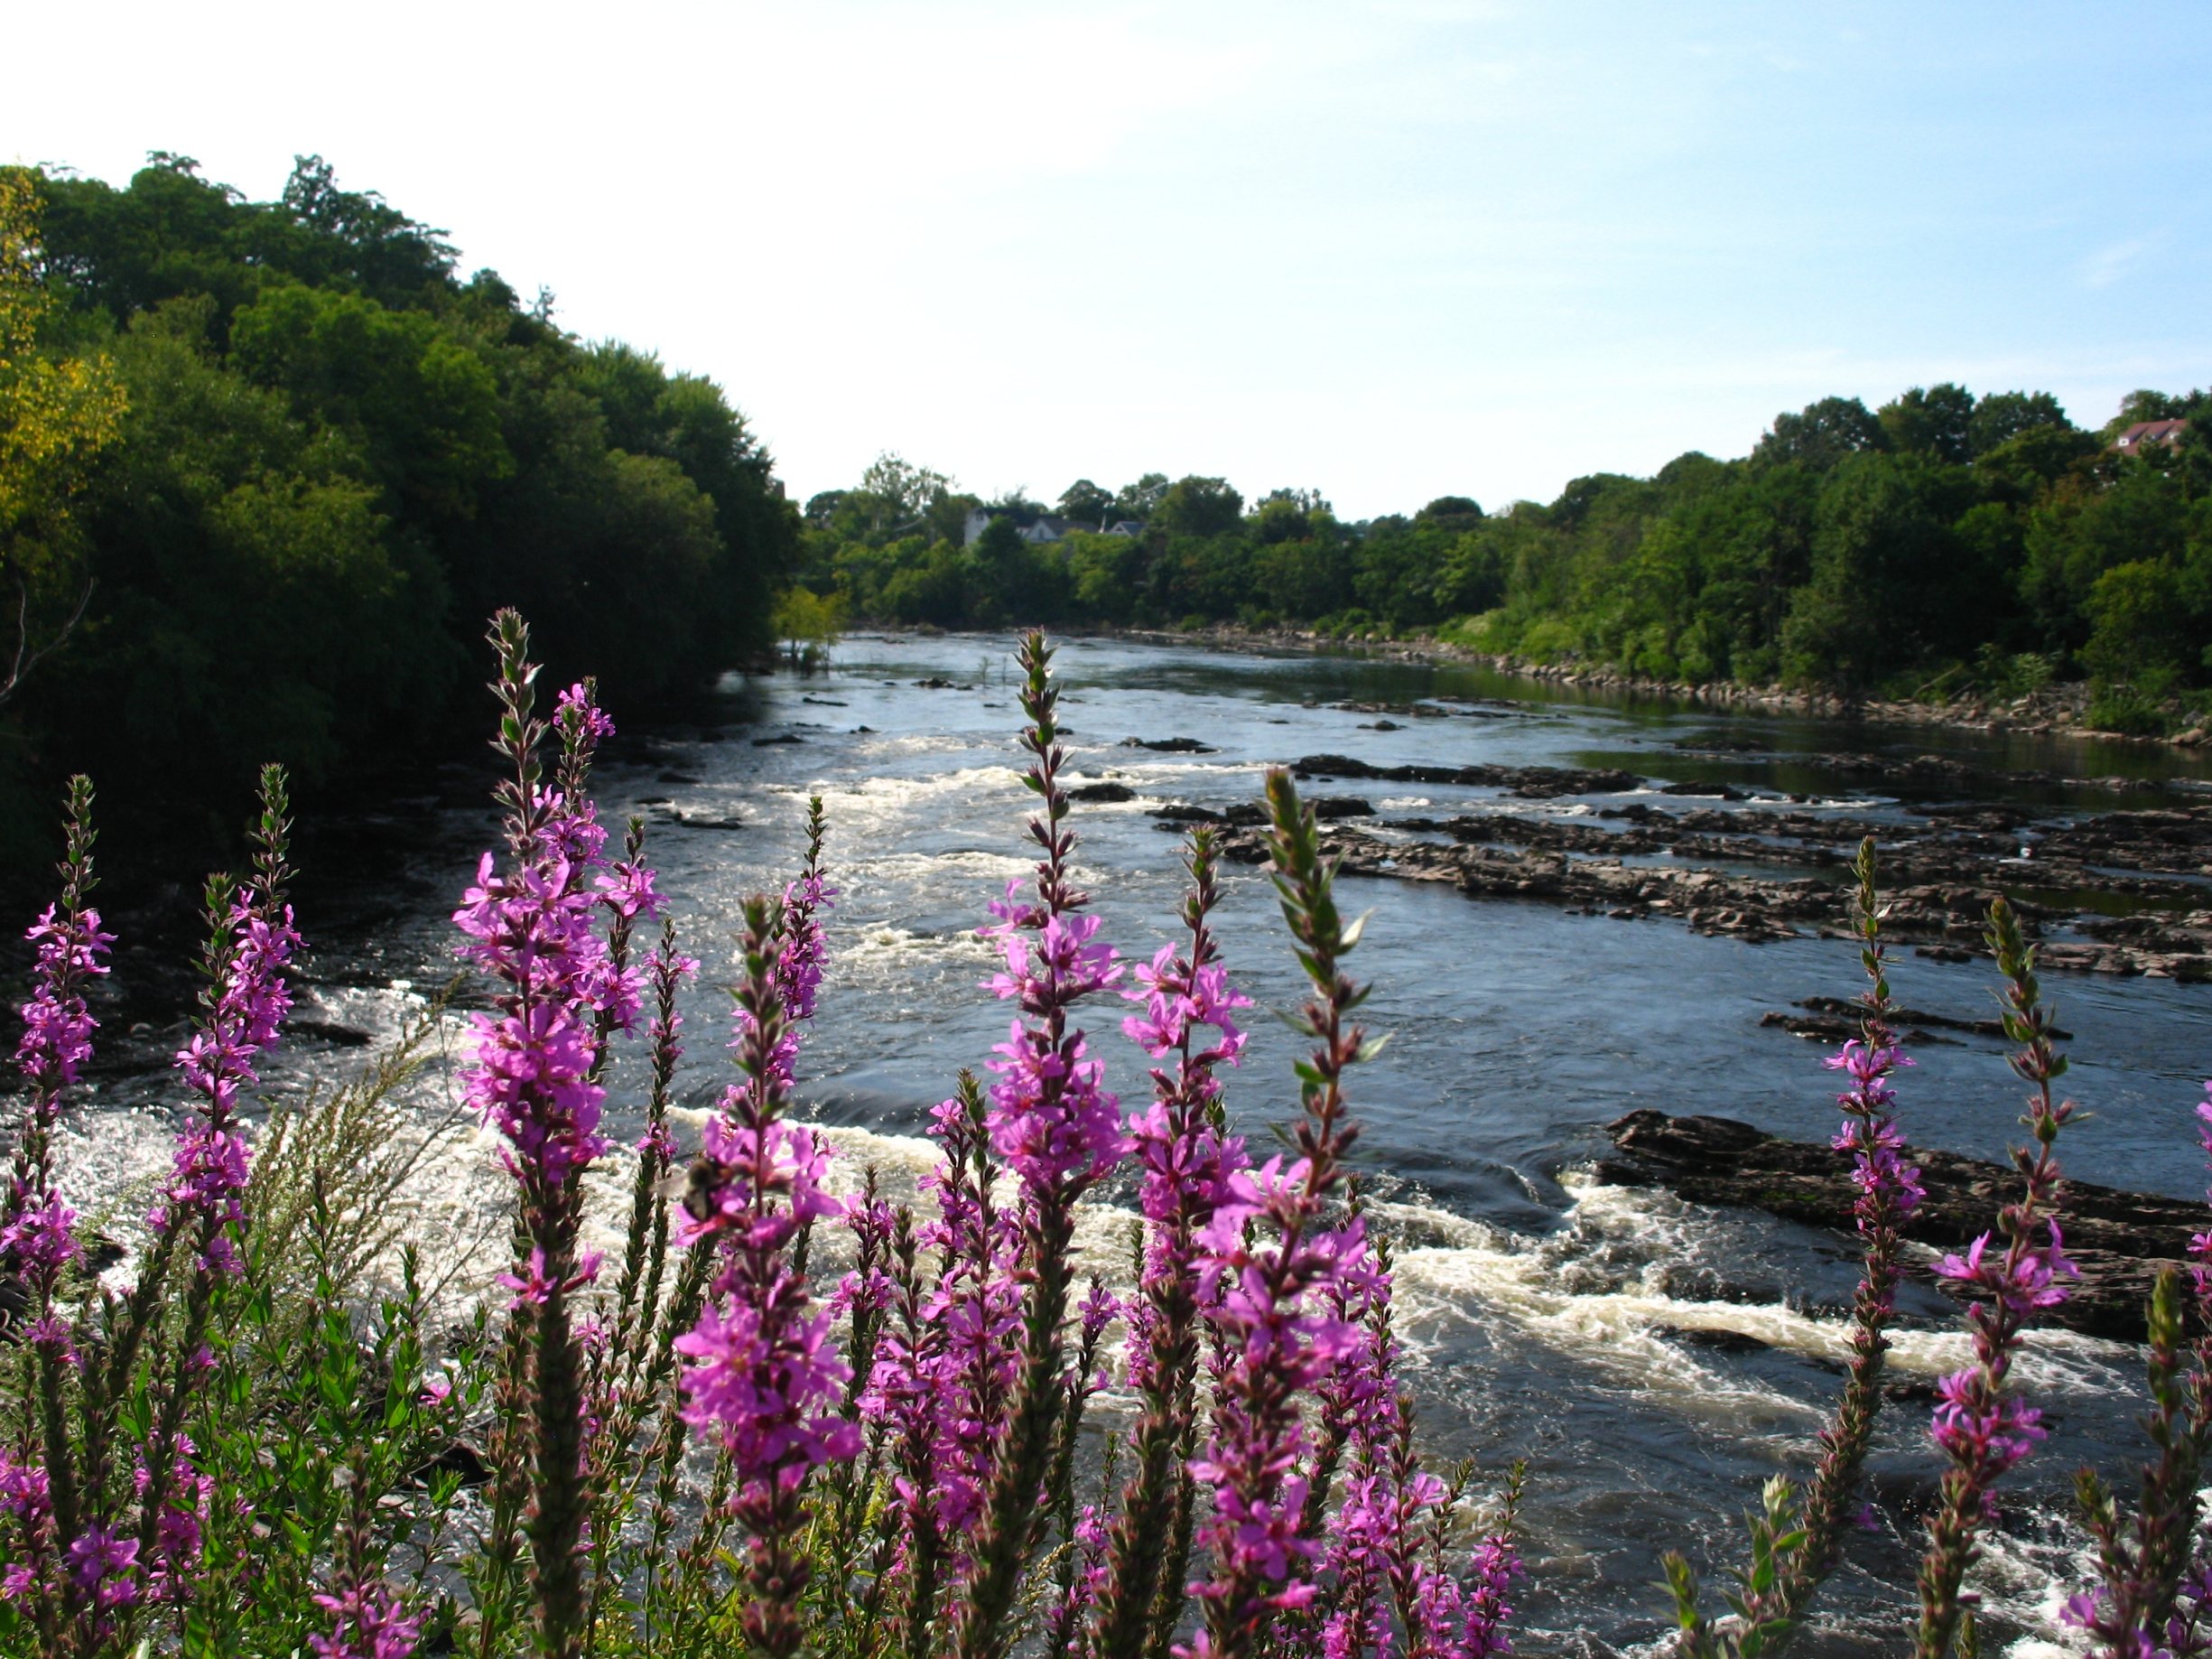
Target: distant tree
<point>371,244</point>
<point>2034,458</point>
<point>1141,499</point>
<point>1289,516</point>
<point>1695,473</point>
<point>2149,405</point>
<point>806,618</point>
<point>1935,421</point>
<point>1083,502</point>
<point>897,493</point>
<point>1888,587</point>
<point>2080,531</point>
<point>947,518</point>
<point>57,415</point>
<point>1821,435</point>
<point>1305,577</point>
<point>1451,512</point>
<point>1014,582</point>
<point>2001,416</point>
<point>1194,506</point>
<point>821,507</point>
<point>1016,504</point>
<point>1582,496</point>
<point>2142,629</point>
<point>1107,571</point>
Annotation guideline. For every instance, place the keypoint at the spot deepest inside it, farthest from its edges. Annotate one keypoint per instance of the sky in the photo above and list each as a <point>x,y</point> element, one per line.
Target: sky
<point>1385,251</point>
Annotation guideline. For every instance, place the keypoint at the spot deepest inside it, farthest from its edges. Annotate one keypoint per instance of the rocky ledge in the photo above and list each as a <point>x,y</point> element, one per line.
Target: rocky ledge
<point>2119,1240</point>
<point>2117,892</point>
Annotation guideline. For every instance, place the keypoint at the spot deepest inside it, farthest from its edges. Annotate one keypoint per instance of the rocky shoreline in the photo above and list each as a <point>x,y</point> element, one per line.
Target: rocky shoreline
<point>2058,709</point>
<point>2126,888</point>
<point>2120,1241</point>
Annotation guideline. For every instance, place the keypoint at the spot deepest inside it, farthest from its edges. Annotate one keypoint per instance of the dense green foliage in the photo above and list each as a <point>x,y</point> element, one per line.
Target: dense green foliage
<point>338,456</point>
<point>1940,541</point>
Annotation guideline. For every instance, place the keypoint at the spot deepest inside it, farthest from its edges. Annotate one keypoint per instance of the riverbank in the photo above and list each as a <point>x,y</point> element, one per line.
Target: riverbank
<point>2056,711</point>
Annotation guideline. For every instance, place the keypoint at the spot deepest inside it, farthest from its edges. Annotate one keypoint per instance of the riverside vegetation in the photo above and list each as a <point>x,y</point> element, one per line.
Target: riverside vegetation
<point>262,466</point>
<point>231,1440</point>
<point>1943,544</point>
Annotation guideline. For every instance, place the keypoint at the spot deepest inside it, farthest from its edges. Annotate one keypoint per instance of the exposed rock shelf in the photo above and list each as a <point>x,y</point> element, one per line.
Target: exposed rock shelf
<point>2119,1240</point>
<point>2118,892</point>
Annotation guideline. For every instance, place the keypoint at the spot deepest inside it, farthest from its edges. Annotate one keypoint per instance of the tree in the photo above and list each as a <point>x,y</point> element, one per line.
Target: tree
<point>57,415</point>
<point>2149,405</point>
<point>1282,517</point>
<point>2001,416</point>
<point>2080,531</point>
<point>897,493</point>
<point>1932,421</point>
<point>2140,625</point>
<point>1194,506</point>
<point>424,405</point>
<point>1822,434</point>
<point>1888,586</point>
<point>1083,502</point>
<point>368,244</point>
<point>1139,501</point>
<point>807,618</point>
<point>1451,513</point>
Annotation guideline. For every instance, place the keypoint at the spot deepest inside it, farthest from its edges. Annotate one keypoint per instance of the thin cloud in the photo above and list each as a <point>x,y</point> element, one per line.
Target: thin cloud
<point>2108,265</point>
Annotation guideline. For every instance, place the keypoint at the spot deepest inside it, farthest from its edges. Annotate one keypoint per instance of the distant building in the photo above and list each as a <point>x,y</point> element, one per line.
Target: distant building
<point>2150,432</point>
<point>1048,529</point>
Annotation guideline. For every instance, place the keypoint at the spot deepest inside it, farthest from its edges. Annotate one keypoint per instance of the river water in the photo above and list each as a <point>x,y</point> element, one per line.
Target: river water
<point>1652,1361</point>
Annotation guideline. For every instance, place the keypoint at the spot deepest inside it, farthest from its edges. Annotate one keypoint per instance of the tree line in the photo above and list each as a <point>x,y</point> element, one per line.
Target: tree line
<point>1941,542</point>
<point>314,458</point>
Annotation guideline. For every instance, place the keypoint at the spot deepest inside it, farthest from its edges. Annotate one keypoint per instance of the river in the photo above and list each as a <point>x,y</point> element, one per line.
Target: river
<point>1652,1361</point>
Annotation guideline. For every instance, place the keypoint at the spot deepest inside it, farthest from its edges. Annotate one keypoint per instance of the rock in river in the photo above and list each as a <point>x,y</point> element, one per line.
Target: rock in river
<point>2119,1240</point>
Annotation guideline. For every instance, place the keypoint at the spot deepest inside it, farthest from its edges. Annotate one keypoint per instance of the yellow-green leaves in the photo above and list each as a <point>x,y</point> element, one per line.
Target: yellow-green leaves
<point>57,414</point>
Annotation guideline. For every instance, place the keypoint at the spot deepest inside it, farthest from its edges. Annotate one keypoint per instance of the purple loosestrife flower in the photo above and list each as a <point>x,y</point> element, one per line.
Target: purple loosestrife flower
<point>909,1384</point>
<point>24,1490</point>
<point>1372,1541</point>
<point>946,1386</point>
<point>1086,1577</point>
<point>2200,1244</point>
<point>531,1074</point>
<point>37,1239</point>
<point>1262,1258</point>
<point>1781,1582</point>
<point>44,1495</point>
<point>1886,1182</point>
<point>365,1623</point>
<point>1469,1623</point>
<point>867,1289</point>
<point>249,960</point>
<point>1983,1430</point>
<point>802,948</point>
<point>534,1076</point>
<point>762,1373</point>
<point>1265,1265</point>
<point>103,1567</point>
<point>58,1027</point>
<point>366,1619</point>
<point>1187,1162</point>
<point>1054,1122</point>
<point>39,1242</point>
